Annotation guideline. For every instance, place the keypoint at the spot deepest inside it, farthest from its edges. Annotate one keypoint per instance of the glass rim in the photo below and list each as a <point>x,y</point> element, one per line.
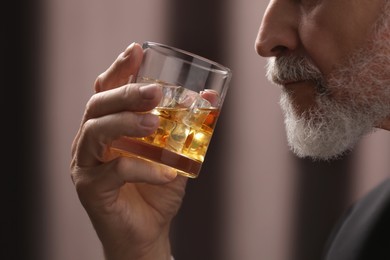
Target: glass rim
<point>220,68</point>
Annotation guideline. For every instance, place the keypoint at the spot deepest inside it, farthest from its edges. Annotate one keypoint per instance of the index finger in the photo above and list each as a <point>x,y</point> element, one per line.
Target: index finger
<point>119,73</point>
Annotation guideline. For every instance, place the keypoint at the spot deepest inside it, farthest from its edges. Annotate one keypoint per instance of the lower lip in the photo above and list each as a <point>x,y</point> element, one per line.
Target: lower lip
<point>292,85</point>
<point>292,82</point>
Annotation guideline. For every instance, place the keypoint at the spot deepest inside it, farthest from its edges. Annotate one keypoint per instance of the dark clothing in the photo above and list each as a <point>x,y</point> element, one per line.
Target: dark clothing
<point>364,231</point>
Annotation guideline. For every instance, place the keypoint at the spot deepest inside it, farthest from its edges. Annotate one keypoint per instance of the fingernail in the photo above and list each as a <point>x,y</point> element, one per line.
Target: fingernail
<point>128,50</point>
<point>148,91</point>
<point>149,120</point>
<point>209,91</point>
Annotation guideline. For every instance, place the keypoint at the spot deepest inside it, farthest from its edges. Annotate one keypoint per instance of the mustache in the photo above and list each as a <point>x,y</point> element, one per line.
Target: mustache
<point>292,68</point>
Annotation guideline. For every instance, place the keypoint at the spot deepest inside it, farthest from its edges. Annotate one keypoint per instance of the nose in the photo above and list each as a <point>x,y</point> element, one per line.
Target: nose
<point>278,32</point>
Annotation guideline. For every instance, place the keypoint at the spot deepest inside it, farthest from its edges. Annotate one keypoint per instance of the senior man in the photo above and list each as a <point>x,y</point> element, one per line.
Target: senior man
<point>332,61</point>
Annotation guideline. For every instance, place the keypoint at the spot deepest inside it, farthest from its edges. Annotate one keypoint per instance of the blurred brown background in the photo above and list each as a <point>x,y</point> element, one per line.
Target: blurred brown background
<point>253,199</point>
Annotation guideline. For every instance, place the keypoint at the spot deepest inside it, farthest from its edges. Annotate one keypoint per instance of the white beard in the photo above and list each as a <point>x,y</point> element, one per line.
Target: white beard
<point>326,135</point>
<point>360,98</point>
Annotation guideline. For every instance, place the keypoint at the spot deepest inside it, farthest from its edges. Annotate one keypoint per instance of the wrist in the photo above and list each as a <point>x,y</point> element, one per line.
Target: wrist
<point>159,249</point>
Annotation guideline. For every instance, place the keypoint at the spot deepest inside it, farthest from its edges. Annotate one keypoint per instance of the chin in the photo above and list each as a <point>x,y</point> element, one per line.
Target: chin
<point>320,155</point>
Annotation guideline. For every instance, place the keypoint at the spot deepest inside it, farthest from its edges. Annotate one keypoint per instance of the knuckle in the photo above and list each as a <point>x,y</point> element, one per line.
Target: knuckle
<point>89,127</point>
<point>77,179</point>
<point>98,83</point>
<point>83,181</point>
<point>92,106</point>
<point>129,92</point>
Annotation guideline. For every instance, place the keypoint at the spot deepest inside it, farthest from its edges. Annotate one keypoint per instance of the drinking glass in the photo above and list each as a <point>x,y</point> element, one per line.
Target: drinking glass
<point>194,89</point>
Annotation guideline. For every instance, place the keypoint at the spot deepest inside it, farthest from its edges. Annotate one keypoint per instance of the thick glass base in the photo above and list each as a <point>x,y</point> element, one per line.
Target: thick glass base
<point>134,148</point>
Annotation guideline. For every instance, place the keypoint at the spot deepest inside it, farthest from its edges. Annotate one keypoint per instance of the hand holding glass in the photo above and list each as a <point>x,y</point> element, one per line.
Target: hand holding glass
<point>194,89</point>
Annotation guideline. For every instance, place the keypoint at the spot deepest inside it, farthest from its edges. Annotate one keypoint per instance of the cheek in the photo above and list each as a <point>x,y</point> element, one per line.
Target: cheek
<point>322,47</point>
<point>328,35</point>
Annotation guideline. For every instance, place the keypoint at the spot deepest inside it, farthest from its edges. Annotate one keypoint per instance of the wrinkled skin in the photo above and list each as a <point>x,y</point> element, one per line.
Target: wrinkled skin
<point>327,112</point>
<point>129,201</point>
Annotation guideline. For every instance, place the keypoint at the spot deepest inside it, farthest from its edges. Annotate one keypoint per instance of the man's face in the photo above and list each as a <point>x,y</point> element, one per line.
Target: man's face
<point>332,58</point>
